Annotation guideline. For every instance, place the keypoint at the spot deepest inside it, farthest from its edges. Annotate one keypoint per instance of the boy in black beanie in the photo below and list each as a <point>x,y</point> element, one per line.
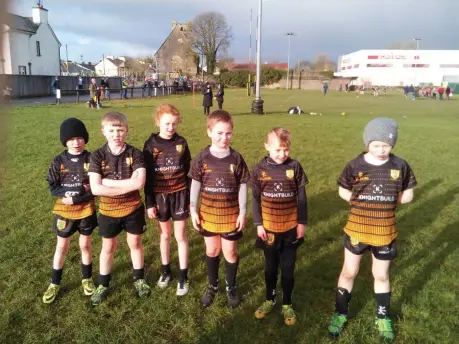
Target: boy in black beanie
<point>373,183</point>
<point>74,209</point>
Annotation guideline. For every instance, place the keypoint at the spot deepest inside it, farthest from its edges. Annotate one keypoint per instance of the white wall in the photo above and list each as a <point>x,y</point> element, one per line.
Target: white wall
<point>398,73</point>
<point>22,47</point>
<point>109,70</point>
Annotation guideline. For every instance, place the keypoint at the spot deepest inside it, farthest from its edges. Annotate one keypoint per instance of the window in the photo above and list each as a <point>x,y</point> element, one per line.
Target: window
<point>349,67</point>
<point>449,66</point>
<point>379,65</point>
<point>38,48</point>
<point>356,66</point>
<point>409,65</point>
<point>22,70</point>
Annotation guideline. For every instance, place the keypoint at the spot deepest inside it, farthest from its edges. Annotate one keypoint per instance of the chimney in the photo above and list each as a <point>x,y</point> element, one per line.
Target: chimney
<point>39,14</point>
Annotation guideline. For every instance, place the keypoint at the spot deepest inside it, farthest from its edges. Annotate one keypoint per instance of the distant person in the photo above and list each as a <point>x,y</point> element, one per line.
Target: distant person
<point>7,94</point>
<point>448,92</point>
<point>441,91</point>
<point>56,86</point>
<point>207,98</point>
<point>107,88</point>
<point>325,88</point>
<point>220,96</point>
<point>124,87</point>
<point>80,83</point>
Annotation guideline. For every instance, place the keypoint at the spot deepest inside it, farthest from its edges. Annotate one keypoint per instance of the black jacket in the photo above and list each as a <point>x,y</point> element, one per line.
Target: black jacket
<point>207,99</point>
<point>221,93</point>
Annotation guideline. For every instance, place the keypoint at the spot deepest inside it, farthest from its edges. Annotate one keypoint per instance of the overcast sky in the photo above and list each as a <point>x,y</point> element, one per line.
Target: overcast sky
<point>138,27</point>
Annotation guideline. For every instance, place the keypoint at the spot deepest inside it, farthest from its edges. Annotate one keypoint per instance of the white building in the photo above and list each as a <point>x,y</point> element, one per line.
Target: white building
<point>111,66</point>
<point>399,67</point>
<point>30,45</point>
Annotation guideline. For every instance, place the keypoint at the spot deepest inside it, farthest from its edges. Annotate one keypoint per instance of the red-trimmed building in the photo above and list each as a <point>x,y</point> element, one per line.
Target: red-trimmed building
<point>253,66</point>
<point>399,67</point>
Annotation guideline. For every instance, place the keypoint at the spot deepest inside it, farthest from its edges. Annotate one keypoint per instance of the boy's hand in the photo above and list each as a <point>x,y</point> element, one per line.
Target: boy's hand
<point>152,213</point>
<point>87,187</point>
<point>300,229</point>
<point>261,232</point>
<point>240,222</point>
<point>196,221</point>
<point>67,200</point>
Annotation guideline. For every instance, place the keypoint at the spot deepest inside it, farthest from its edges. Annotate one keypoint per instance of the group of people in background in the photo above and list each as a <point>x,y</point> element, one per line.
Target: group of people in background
<point>207,99</point>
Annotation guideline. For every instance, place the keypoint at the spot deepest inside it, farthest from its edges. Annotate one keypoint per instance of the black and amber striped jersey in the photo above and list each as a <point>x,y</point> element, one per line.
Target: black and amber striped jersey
<point>168,164</point>
<point>276,189</point>
<point>375,193</point>
<point>117,167</point>
<point>66,177</point>
<point>220,179</point>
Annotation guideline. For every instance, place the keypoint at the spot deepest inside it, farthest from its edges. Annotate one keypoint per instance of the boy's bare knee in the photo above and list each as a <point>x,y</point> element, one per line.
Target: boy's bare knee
<point>62,249</point>
<point>135,243</point>
<point>109,248</point>
<point>349,273</point>
<point>212,251</point>
<point>381,276</point>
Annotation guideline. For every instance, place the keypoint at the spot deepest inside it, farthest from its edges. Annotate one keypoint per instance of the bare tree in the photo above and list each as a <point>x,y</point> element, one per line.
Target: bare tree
<point>323,64</point>
<point>210,35</point>
<point>224,61</point>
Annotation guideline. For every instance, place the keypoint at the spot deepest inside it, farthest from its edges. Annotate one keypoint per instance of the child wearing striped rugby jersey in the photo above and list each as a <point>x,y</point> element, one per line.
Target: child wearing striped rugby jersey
<point>219,175</point>
<point>280,211</point>
<point>116,174</point>
<point>167,159</point>
<point>74,210</point>
<point>373,183</point>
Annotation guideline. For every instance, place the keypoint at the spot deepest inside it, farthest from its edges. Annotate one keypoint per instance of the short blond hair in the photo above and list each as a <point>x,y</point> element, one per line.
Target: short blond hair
<point>116,119</point>
<point>166,109</point>
<point>282,134</point>
<point>219,116</point>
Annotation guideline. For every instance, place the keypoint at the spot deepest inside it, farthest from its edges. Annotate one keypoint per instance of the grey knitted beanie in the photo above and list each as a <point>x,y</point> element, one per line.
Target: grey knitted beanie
<point>381,129</point>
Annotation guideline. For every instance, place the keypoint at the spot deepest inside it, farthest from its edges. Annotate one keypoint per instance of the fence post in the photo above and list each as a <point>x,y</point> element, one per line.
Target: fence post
<point>132,92</point>
<point>78,95</point>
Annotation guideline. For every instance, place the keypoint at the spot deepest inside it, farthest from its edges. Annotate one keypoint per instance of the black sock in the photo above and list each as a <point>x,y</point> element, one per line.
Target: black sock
<point>271,282</point>
<point>166,269</point>
<point>342,301</point>
<point>86,270</point>
<point>212,270</point>
<point>56,276</point>
<point>383,304</point>
<point>138,274</point>
<point>183,275</point>
<point>231,273</point>
<point>105,280</point>
<point>287,290</point>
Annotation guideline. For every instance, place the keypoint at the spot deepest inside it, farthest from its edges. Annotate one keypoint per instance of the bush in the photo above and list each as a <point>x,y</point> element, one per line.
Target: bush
<point>240,78</point>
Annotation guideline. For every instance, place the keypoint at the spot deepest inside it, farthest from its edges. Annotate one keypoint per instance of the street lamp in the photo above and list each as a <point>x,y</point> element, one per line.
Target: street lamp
<point>417,39</point>
<point>257,104</point>
<point>289,34</point>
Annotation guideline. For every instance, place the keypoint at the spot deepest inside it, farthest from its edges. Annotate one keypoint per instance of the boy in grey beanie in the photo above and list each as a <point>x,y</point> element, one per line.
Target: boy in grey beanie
<point>373,183</point>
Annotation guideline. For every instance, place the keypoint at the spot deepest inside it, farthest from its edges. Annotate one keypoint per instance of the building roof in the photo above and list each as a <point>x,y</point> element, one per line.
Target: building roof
<point>185,34</point>
<point>76,68</point>
<point>20,23</point>
<point>116,62</point>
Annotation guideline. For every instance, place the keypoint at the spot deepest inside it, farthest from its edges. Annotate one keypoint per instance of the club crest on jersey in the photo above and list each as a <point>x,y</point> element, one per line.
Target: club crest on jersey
<point>129,161</point>
<point>86,166</point>
<point>156,152</point>
<point>394,174</point>
<point>270,238</point>
<point>105,165</point>
<point>290,174</point>
<point>61,224</point>
<point>232,168</point>
<point>179,148</point>
<point>205,168</point>
<point>63,169</point>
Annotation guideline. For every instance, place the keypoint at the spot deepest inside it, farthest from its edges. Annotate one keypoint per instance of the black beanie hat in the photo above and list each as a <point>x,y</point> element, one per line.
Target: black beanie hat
<point>73,127</point>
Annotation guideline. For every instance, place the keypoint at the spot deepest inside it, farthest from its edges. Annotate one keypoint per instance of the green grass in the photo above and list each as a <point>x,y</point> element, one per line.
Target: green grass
<point>425,278</point>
